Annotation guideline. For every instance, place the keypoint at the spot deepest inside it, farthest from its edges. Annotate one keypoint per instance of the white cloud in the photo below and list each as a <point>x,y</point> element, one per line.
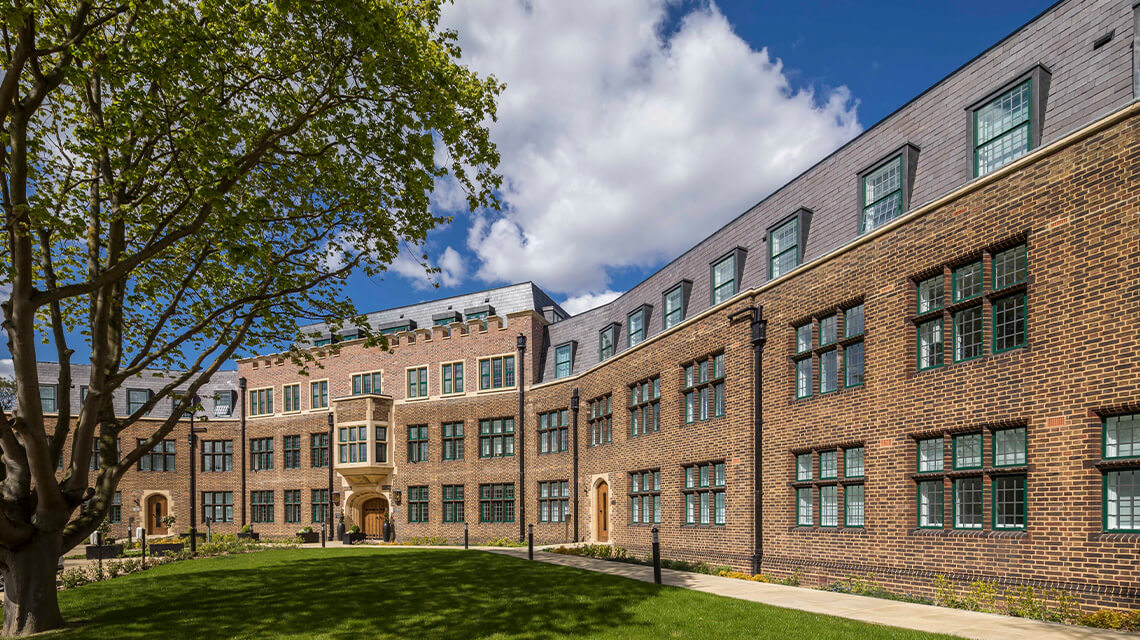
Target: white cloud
<point>623,144</point>
<point>587,301</point>
<point>7,369</point>
<point>411,265</point>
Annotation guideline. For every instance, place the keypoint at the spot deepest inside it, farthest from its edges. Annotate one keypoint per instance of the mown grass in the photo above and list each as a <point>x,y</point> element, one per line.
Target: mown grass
<point>412,593</point>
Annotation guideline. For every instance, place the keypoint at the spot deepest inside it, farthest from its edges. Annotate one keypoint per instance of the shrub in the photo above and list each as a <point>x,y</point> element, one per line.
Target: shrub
<point>74,577</point>
<point>1106,619</point>
<point>740,575</point>
<point>247,528</point>
<point>425,541</point>
<point>793,580</point>
<point>505,541</point>
<point>982,596</point>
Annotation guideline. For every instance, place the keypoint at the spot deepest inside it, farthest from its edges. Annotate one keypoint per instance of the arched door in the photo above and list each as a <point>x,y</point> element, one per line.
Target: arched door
<point>603,511</point>
<point>372,514</point>
<point>156,509</point>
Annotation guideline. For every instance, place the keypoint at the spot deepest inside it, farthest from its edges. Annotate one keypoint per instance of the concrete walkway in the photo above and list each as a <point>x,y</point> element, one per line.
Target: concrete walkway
<point>968,624</point>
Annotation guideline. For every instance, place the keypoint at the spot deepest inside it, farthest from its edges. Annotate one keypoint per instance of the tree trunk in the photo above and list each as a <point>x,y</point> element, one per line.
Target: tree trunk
<point>30,603</point>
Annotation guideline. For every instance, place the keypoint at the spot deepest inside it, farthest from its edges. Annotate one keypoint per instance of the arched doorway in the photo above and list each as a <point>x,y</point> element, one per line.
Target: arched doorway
<point>157,508</point>
<point>372,516</point>
<point>602,511</point>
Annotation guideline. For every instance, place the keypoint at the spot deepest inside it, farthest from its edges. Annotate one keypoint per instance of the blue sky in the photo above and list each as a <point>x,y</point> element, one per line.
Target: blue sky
<point>629,130</point>
<point>881,53</point>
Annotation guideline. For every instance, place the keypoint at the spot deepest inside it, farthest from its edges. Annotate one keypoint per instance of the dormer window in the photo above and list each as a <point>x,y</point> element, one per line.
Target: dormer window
<point>786,240</point>
<point>726,273</point>
<point>674,304</point>
<point>637,321</point>
<point>606,338</point>
<point>884,188</point>
<point>563,360</point>
<point>1006,124</point>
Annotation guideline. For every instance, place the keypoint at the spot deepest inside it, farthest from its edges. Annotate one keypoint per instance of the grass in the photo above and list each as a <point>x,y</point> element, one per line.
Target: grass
<point>411,593</point>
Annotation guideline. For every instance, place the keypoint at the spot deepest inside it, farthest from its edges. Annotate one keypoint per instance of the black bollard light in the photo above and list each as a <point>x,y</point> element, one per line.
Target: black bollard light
<point>466,539</point>
<point>144,547</point>
<point>530,542</point>
<point>656,558</point>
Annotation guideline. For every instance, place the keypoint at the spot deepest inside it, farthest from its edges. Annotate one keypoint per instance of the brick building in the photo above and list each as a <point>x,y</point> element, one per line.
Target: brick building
<point>918,358</point>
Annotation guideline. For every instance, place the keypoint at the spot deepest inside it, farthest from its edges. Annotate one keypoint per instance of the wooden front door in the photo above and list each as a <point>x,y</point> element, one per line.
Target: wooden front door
<point>603,495</point>
<point>156,509</point>
<point>372,513</point>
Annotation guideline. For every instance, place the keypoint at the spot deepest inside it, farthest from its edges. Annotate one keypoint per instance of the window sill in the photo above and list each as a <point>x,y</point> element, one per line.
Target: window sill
<point>1013,289</point>
<point>1114,536</point>
<point>1019,534</point>
<point>842,391</point>
<point>1117,463</point>
<point>702,526</point>
<point>819,529</point>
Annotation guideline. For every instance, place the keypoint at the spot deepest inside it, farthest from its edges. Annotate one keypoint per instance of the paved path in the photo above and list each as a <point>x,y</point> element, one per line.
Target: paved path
<point>969,624</point>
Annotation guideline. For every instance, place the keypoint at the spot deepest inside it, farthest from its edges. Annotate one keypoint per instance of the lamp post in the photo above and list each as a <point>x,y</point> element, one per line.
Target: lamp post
<point>193,438</point>
<point>329,515</point>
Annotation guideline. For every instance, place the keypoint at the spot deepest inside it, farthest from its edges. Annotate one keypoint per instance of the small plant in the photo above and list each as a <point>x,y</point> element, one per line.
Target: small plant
<point>305,529</point>
<point>354,529</point>
<point>73,577</point>
<point>247,528</point>
<point>982,596</point>
<point>505,541</point>
<point>1106,619</point>
<point>945,594</point>
<point>168,520</point>
<point>740,575</point>
<point>793,580</point>
<point>425,541</point>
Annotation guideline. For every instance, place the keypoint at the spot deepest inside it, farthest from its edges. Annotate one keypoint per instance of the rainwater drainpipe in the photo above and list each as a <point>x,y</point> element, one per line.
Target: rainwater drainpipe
<point>759,328</point>
<point>520,343</point>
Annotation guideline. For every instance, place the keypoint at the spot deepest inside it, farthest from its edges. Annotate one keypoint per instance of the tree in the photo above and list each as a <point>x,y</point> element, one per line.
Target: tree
<point>184,180</point>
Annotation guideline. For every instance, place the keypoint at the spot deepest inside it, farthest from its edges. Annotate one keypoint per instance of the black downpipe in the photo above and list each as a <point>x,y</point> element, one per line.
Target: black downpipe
<point>520,343</point>
<point>574,411</point>
<point>759,337</point>
<point>244,494</point>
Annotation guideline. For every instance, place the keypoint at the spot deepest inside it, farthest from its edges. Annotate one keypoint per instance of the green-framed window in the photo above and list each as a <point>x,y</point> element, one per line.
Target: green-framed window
<point>318,450</point>
<point>853,352</point>
<point>784,248</point>
<point>803,338</point>
<point>393,330</point>
<point>380,442</point>
<point>217,506</point>
<point>115,511</point>
<point>261,506</point>
<point>1122,500</point>
<point>931,504</point>
<point>452,441</point>
<point>968,334</point>
<point>453,507</point>
<point>366,383</point>
<point>1122,436</point>
<point>968,451</point>
<point>218,455</point>
<point>881,195</point>
<point>260,402</point>
<point>704,390</point>
<point>606,343</point>
<point>931,348</point>
<point>554,501</point>
<point>674,303</point>
<point>804,378</point>
<point>645,496</point>
<point>563,360</point>
<point>635,324</point>
<point>554,431</point>
<point>805,516</point>
<point>645,407</point>
<point>1010,447</point>
<point>828,330</point>
<point>418,443</point>
<point>418,382</point>
<point>1009,322</point>
<point>854,462</point>
<point>452,378</point>
<point>931,455</point>
<point>496,503</point>
<point>292,393</point>
<point>828,371</point>
<point>967,281</point>
<point>319,505</point>
<point>497,373</point>
<point>601,423</point>
<point>352,444</point>
<point>704,493</point>
<point>853,505</point>
<point>418,504</point>
<point>724,279</point>
<point>260,454</point>
<point>292,451</point>
<point>1009,502</point>
<point>1010,267</point>
<point>931,294</point>
<point>1001,129</point>
<point>496,437</point>
<point>968,503</point>
<point>829,505</point>
<point>828,464</point>
<point>292,505</point>
<point>319,394</point>
<point>803,467</point>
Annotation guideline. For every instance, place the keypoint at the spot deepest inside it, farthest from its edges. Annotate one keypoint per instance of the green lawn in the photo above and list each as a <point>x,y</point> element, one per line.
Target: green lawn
<point>408,593</point>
